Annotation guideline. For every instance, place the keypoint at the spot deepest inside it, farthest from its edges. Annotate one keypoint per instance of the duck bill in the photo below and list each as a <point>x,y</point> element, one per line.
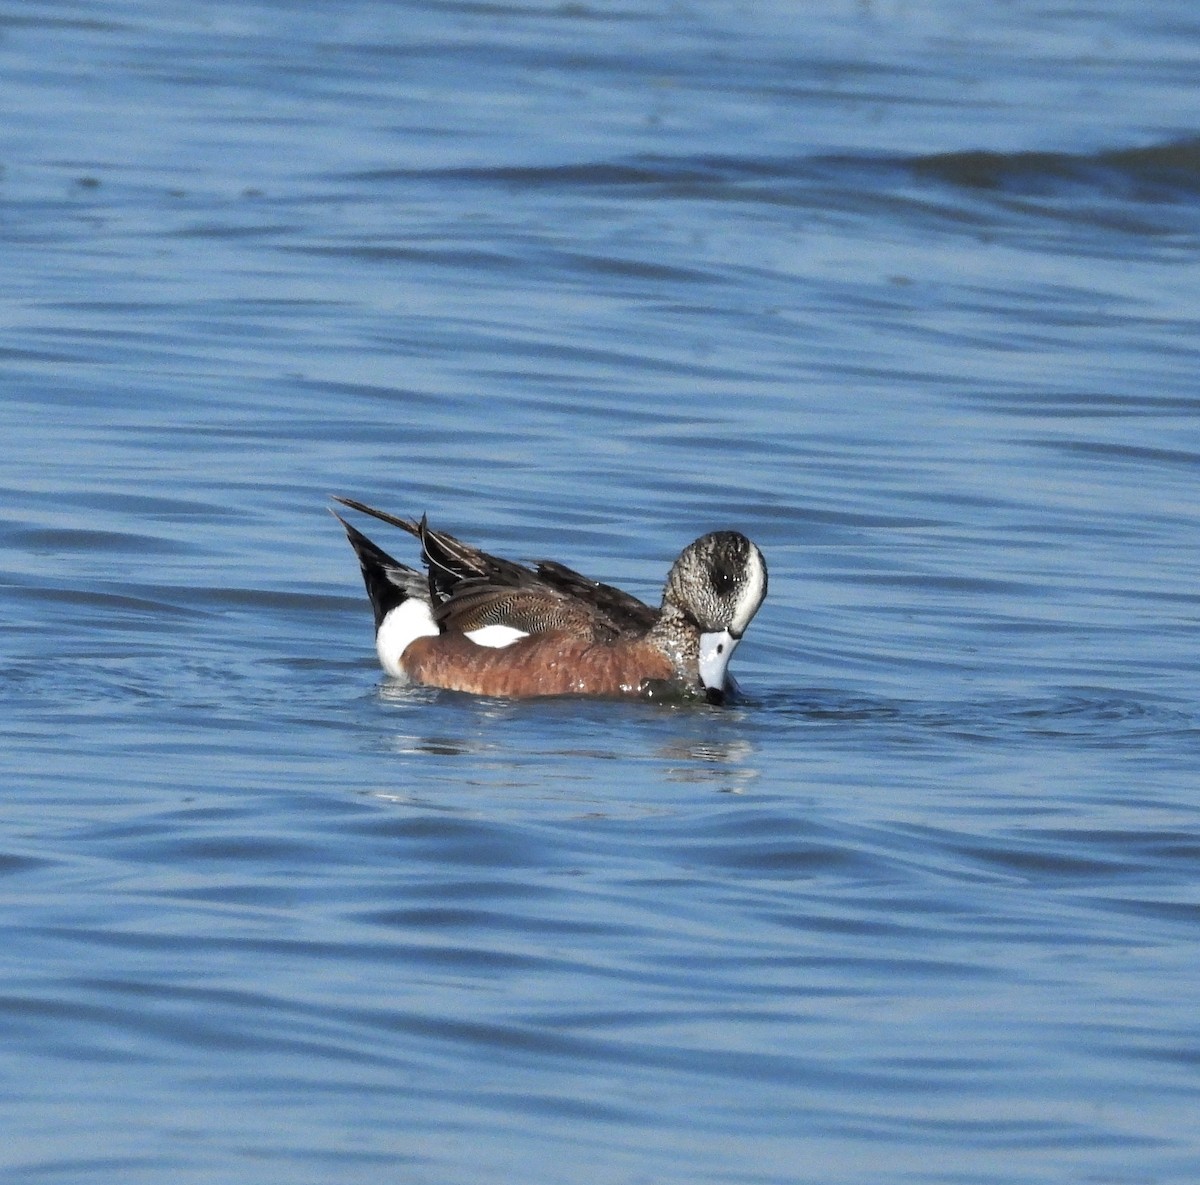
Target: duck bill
<point>715,651</point>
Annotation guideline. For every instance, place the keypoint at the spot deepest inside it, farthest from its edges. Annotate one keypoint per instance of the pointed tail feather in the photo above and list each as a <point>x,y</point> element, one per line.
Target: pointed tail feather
<point>405,524</point>
<point>389,582</point>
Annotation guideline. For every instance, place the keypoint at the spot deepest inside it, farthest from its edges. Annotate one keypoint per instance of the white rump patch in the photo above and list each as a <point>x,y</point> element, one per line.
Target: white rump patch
<point>410,620</point>
<point>496,636</point>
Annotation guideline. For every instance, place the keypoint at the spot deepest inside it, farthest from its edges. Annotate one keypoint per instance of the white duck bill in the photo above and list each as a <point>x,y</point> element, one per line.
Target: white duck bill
<point>715,652</point>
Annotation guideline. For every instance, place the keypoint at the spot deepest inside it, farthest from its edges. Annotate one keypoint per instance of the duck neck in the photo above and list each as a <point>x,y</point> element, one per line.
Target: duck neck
<point>675,634</point>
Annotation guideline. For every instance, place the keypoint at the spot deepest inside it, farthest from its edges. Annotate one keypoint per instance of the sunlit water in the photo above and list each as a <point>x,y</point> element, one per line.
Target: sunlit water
<point>908,292</point>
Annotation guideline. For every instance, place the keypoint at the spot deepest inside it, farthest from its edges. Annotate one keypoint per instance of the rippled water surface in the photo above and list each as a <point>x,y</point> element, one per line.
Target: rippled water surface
<point>907,290</point>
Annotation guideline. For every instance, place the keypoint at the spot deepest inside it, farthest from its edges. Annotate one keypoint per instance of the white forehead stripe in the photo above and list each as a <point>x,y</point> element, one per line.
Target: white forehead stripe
<point>752,594</point>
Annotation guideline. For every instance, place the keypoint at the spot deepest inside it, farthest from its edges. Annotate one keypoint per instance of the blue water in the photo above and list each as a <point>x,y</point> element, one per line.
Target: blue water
<point>907,291</point>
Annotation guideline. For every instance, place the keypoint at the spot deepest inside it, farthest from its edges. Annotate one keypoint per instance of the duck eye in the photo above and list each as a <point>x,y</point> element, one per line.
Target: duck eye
<point>723,581</point>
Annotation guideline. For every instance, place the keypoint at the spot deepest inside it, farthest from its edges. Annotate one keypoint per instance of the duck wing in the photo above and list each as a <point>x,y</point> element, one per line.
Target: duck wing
<point>623,611</point>
<point>471,589</point>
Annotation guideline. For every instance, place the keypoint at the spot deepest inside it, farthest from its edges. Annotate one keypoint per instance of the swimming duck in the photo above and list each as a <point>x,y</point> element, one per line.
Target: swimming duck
<point>477,623</point>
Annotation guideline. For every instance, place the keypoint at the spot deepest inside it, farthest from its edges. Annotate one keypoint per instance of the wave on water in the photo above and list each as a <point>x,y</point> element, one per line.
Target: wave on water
<point>1091,717</point>
<point>1168,172</point>
<point>1160,173</point>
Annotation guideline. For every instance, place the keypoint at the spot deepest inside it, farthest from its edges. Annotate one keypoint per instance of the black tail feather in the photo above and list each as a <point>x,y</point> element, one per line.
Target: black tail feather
<point>389,582</point>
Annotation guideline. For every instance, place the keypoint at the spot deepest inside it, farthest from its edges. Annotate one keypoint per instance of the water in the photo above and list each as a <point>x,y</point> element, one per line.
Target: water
<point>906,291</point>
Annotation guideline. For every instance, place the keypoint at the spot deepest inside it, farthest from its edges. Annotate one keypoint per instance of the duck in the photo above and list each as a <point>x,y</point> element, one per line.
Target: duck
<point>477,623</point>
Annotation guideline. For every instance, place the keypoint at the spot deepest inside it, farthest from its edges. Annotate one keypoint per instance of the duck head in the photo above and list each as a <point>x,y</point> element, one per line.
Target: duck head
<point>717,584</point>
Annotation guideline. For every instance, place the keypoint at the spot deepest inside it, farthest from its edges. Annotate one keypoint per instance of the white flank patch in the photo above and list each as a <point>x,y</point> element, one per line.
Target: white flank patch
<point>496,636</point>
<point>410,620</point>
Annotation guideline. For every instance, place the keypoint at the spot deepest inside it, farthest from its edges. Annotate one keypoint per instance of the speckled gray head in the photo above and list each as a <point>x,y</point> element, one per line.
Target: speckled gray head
<point>718,582</point>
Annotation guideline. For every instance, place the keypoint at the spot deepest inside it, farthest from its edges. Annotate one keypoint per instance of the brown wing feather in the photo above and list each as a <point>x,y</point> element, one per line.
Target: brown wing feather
<point>535,610</point>
<point>621,609</point>
<point>452,562</point>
